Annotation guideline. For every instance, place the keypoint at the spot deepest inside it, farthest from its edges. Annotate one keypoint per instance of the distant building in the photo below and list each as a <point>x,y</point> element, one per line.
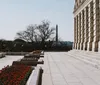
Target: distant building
<point>87,25</point>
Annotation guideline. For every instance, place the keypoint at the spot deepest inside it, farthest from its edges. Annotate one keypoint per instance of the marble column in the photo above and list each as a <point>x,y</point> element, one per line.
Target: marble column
<point>85,28</point>
<point>77,32</point>
<point>79,28</point>
<point>82,30</point>
<point>99,29</point>
<point>96,25</point>
<point>89,44</point>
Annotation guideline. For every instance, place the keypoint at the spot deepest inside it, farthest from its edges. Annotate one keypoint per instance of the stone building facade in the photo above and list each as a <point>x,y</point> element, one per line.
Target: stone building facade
<point>87,25</point>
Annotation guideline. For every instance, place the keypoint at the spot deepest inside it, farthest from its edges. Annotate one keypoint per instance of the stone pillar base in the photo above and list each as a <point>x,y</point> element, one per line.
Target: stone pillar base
<point>89,46</point>
<point>95,46</point>
<point>77,46</point>
<point>81,46</point>
<point>99,46</point>
<point>85,46</point>
<point>74,45</point>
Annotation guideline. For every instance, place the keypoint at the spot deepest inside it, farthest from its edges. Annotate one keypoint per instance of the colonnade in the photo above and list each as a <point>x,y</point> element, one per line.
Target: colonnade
<point>87,27</point>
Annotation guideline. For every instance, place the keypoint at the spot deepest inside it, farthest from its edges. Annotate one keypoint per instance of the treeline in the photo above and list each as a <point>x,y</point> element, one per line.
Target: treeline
<point>19,45</point>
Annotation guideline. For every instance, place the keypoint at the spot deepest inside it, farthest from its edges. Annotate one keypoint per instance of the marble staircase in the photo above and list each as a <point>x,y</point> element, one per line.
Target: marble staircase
<point>88,57</point>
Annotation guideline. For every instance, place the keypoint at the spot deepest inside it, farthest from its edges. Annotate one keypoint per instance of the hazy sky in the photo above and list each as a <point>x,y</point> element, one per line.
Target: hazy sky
<point>16,15</point>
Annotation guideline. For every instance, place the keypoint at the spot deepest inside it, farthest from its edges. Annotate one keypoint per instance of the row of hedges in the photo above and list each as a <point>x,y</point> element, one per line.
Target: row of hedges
<point>16,46</point>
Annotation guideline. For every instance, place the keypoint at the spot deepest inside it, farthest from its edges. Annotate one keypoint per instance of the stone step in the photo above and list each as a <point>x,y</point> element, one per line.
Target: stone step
<point>86,57</point>
<point>90,53</point>
<point>85,61</point>
<point>92,56</point>
<point>89,56</point>
<point>85,54</point>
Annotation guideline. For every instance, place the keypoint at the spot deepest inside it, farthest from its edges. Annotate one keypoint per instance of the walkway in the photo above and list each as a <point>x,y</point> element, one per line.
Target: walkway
<point>8,60</point>
<point>62,69</point>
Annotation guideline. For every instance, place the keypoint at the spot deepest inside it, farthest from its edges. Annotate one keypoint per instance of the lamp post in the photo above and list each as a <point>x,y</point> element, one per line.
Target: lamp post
<point>14,46</point>
<point>22,47</point>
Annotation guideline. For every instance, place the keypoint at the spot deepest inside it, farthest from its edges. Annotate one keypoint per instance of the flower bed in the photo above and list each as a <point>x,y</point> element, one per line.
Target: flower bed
<point>15,75</point>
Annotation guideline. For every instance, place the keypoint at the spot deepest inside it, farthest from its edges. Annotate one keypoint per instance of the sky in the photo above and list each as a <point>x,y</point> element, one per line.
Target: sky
<point>16,15</point>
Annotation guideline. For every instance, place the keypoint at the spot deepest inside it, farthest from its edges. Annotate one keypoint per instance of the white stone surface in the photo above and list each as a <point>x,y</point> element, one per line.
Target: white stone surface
<point>8,60</point>
<point>33,80</point>
<point>62,69</point>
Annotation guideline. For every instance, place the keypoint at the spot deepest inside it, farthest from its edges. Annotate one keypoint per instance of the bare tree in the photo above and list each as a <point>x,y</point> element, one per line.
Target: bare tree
<point>41,32</point>
<point>45,32</point>
<point>29,34</point>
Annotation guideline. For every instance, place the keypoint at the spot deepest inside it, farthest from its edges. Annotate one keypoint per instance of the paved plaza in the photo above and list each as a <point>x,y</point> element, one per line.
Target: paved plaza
<point>8,60</point>
<point>62,69</point>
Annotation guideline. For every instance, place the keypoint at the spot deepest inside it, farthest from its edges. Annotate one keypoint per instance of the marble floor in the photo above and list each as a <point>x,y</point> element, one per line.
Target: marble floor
<point>62,69</point>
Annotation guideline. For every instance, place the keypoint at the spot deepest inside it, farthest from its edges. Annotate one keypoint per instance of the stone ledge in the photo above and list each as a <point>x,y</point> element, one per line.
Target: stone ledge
<point>30,63</point>
<point>35,77</point>
<point>16,53</point>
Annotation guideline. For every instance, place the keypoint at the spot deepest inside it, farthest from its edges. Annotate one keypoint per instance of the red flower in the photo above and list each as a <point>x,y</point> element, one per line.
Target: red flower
<point>14,75</point>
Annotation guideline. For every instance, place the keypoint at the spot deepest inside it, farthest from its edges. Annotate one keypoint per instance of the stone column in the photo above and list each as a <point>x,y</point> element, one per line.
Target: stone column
<point>91,25</point>
<point>85,28</point>
<point>96,25</point>
<point>99,29</point>
<point>77,32</point>
<point>79,28</point>
<point>82,30</point>
<point>89,44</point>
